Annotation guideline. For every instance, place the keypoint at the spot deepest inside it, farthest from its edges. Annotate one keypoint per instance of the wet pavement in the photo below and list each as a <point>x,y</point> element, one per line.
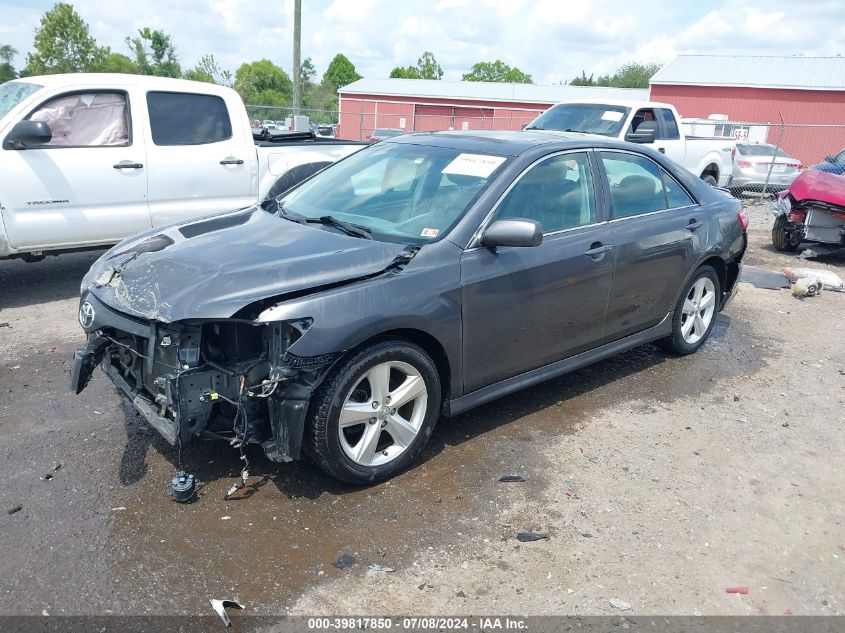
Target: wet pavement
<point>103,536</point>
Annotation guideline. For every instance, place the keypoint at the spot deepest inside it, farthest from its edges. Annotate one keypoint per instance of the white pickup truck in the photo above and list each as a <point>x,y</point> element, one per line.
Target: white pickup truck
<point>648,123</point>
<point>89,159</point>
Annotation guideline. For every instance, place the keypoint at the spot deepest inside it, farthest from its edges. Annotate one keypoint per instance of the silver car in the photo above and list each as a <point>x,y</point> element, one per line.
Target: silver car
<point>759,166</point>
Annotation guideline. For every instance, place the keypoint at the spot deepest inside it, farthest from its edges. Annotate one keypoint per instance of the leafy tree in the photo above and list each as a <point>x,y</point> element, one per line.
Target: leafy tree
<point>63,44</point>
<point>110,62</point>
<point>7,71</point>
<point>631,75</point>
<point>307,72</point>
<point>263,83</point>
<point>154,53</point>
<point>408,72</point>
<point>341,72</point>
<point>426,68</point>
<point>497,71</point>
<point>209,71</point>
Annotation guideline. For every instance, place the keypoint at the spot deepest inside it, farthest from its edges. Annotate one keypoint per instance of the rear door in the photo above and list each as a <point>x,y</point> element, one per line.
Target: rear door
<point>527,307</point>
<point>200,161</point>
<point>659,232</point>
<point>88,185</point>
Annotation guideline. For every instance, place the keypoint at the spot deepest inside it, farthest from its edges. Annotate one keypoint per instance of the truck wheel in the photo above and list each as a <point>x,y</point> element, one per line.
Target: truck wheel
<point>695,313</point>
<point>781,238</point>
<point>374,413</point>
<point>710,179</point>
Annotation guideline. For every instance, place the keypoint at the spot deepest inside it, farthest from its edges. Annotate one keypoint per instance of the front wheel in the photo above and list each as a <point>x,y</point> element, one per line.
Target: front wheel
<point>695,313</point>
<point>782,239</point>
<point>374,413</point>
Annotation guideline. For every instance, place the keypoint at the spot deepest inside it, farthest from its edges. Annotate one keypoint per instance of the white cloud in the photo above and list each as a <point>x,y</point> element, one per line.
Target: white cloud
<point>549,39</point>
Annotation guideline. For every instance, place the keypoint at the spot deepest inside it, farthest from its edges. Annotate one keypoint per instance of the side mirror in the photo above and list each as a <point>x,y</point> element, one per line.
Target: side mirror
<point>513,232</point>
<point>28,133</point>
<point>646,133</point>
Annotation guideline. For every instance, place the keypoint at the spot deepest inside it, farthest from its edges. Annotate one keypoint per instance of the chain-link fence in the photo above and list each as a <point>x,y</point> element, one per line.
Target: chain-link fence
<point>277,116</point>
<point>769,156</point>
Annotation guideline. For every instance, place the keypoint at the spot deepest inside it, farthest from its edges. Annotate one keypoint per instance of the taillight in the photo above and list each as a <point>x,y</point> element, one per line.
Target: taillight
<point>742,216</point>
<point>743,163</point>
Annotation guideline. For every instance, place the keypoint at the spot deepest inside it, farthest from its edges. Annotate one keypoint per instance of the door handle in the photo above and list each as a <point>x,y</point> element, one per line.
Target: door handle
<point>694,225</point>
<point>125,164</point>
<point>232,161</point>
<point>662,150</point>
<point>597,250</point>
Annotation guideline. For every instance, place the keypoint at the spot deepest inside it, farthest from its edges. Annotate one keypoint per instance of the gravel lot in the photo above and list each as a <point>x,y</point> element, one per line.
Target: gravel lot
<point>660,482</point>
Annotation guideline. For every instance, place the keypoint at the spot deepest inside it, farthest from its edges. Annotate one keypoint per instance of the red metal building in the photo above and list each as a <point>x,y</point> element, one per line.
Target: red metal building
<point>806,93</point>
<point>419,105</point>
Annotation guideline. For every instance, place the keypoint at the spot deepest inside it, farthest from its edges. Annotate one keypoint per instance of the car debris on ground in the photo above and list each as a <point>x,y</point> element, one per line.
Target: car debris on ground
<point>828,279</point>
<point>220,607</point>
<point>528,537</point>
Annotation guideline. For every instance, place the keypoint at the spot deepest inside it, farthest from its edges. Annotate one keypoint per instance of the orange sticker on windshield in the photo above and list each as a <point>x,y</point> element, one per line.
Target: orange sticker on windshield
<point>430,232</point>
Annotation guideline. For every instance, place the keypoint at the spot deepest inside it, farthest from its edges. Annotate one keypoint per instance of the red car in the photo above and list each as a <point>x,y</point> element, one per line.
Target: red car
<point>811,210</point>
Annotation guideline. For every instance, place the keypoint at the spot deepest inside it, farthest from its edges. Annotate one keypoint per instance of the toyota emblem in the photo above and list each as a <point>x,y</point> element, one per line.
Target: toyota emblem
<point>86,315</point>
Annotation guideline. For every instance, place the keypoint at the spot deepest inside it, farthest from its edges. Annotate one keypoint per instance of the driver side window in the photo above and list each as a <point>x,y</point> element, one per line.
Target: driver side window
<point>557,192</point>
<point>87,119</point>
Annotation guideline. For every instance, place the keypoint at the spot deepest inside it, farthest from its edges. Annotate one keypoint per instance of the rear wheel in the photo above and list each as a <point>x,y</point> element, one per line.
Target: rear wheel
<point>695,313</point>
<point>374,413</point>
<point>782,239</point>
<point>710,179</point>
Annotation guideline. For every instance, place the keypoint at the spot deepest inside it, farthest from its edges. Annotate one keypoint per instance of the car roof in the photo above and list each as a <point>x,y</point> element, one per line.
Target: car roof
<point>626,103</point>
<point>119,80</point>
<point>508,143</point>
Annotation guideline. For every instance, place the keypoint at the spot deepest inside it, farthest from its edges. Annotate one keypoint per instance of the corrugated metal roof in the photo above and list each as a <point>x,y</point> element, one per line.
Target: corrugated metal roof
<point>794,73</point>
<point>486,91</point>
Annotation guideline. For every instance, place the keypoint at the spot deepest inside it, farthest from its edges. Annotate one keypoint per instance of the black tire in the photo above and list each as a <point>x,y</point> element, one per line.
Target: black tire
<point>781,238</point>
<point>710,180</point>
<point>322,442</point>
<point>675,343</point>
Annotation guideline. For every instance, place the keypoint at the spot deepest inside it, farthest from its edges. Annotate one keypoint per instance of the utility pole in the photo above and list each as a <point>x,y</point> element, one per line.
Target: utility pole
<point>297,73</point>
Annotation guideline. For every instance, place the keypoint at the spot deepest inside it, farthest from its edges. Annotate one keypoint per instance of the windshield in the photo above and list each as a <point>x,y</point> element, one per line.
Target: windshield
<point>761,149</point>
<point>400,192</point>
<point>592,118</point>
<point>12,93</point>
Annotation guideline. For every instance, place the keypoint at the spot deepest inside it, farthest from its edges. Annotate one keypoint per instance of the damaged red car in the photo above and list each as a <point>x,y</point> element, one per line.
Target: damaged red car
<point>811,210</point>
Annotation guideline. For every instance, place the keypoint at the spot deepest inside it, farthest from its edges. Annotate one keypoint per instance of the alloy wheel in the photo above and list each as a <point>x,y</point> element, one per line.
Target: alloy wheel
<point>698,311</point>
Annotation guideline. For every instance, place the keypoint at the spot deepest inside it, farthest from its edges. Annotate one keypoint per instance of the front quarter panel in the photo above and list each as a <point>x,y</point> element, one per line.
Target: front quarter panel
<point>423,296</point>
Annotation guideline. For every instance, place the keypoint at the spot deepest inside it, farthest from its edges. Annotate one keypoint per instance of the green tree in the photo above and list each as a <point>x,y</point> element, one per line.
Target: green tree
<point>631,75</point>
<point>209,71</point>
<point>307,72</point>
<point>154,53</point>
<point>426,68</point>
<point>340,72</point>
<point>263,83</point>
<point>63,44</point>
<point>110,62</point>
<point>497,71</point>
<point>7,70</point>
<point>408,72</point>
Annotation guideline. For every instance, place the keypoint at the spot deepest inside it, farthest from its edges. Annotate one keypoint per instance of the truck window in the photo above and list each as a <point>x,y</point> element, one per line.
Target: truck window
<point>640,117</point>
<point>179,118</point>
<point>86,119</point>
<point>670,125</point>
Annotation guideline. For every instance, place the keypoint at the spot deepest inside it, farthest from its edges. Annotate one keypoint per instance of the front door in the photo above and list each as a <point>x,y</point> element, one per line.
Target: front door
<point>659,233</point>
<point>88,185</point>
<point>527,307</point>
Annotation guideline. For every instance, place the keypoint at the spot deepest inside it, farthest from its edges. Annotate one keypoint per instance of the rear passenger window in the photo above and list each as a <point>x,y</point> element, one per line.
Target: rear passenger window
<point>676,195</point>
<point>178,118</point>
<point>669,123</point>
<point>557,192</point>
<point>635,184</point>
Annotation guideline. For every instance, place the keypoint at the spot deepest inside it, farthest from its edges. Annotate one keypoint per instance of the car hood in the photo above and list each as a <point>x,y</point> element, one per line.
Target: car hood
<point>212,268</point>
<point>819,185</point>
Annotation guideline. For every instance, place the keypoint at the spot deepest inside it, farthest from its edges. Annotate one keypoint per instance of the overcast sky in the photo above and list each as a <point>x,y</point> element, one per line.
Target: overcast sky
<point>552,40</point>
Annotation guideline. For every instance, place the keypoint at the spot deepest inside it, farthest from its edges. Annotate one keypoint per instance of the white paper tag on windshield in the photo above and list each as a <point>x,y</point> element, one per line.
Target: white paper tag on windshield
<point>477,165</point>
<point>430,232</point>
<point>611,115</point>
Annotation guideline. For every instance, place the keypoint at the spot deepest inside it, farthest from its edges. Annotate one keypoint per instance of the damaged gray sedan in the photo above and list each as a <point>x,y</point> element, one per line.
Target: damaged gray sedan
<point>419,277</point>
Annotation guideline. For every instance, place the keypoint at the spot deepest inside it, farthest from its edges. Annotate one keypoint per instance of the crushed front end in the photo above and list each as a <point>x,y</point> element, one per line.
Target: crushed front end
<point>230,379</point>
